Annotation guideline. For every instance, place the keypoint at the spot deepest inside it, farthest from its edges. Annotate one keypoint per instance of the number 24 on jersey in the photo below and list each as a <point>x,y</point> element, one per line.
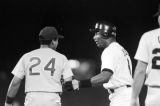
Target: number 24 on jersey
<point>51,63</point>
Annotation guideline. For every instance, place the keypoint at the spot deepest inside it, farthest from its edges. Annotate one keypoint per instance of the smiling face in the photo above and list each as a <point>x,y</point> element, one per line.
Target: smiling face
<point>99,40</point>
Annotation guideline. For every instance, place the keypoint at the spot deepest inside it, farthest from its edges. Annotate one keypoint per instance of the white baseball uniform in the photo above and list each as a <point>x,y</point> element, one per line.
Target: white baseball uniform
<point>116,58</point>
<point>149,51</point>
<point>42,69</point>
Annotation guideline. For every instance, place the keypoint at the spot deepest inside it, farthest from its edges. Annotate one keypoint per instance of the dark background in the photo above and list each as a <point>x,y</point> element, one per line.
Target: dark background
<point>21,21</point>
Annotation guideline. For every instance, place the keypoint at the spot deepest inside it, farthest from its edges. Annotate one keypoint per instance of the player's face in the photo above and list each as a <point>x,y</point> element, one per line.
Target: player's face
<point>99,40</point>
<point>54,43</point>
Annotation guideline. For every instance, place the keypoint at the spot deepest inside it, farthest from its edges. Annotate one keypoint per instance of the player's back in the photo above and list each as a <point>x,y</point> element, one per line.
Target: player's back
<point>121,65</point>
<point>124,66</point>
<point>43,70</point>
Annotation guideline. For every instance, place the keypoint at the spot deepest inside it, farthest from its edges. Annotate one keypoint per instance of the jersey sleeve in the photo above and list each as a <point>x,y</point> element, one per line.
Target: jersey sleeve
<point>67,71</point>
<point>107,59</point>
<point>19,69</point>
<point>142,51</point>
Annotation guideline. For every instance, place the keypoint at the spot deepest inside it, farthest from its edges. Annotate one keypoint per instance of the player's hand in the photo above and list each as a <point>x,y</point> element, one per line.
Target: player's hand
<point>6,104</point>
<point>134,102</point>
<point>75,84</point>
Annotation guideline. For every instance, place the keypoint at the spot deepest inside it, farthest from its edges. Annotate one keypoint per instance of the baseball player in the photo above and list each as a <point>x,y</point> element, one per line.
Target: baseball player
<point>116,68</point>
<point>148,66</point>
<point>42,69</point>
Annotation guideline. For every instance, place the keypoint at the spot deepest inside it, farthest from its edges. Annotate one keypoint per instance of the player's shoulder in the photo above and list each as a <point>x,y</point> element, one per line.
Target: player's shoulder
<point>157,30</point>
<point>62,55</point>
<point>59,54</point>
<point>31,52</point>
<point>151,33</point>
<point>113,48</point>
<point>26,55</point>
<point>46,51</point>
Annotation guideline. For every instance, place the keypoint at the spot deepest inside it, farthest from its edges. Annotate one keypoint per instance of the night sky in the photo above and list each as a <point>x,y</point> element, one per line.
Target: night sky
<point>21,21</point>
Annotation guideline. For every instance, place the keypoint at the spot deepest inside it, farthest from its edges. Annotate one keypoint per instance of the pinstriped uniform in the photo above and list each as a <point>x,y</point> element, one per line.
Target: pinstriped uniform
<point>116,58</point>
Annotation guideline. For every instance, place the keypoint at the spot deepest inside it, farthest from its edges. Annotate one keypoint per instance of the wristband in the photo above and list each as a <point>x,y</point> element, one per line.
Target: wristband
<point>9,100</point>
<point>109,70</point>
<point>85,83</point>
<point>68,86</point>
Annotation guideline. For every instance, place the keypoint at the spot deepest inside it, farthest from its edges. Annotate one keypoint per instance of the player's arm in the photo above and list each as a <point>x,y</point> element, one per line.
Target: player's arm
<point>101,78</point>
<point>12,90</point>
<point>97,80</point>
<point>139,78</point>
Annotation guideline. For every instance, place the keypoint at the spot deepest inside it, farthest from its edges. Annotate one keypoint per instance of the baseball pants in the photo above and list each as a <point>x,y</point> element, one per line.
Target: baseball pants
<point>153,96</point>
<point>121,96</point>
<point>42,99</point>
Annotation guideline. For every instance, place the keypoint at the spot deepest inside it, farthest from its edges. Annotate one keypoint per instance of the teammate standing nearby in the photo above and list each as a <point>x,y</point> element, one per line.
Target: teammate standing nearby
<point>116,67</point>
<point>148,65</point>
<point>42,69</point>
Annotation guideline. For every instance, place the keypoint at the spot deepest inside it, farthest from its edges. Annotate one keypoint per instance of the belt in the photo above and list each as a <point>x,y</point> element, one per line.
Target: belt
<point>154,86</point>
<point>59,93</point>
<point>113,90</point>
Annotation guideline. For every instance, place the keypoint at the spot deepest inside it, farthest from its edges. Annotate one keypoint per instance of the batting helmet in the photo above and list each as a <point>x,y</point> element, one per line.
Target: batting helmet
<point>106,29</point>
